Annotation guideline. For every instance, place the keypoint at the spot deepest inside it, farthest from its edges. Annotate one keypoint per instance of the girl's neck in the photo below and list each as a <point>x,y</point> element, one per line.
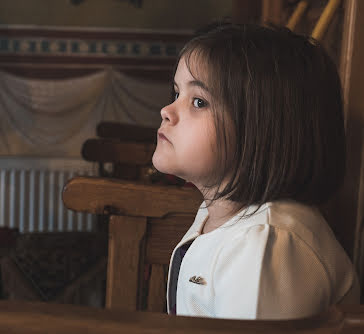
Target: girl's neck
<point>219,212</point>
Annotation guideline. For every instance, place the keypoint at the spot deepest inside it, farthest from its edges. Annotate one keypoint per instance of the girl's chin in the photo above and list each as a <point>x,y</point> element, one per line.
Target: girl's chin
<point>161,166</point>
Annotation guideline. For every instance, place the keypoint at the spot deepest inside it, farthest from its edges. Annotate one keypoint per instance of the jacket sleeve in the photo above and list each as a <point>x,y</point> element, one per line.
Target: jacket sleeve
<point>269,273</point>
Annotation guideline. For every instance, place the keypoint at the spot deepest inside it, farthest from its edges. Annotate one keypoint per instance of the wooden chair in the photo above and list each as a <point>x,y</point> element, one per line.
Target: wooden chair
<point>129,149</point>
<point>125,152</point>
<point>41,318</point>
<point>122,151</point>
<point>127,132</point>
<point>146,222</point>
<point>117,159</point>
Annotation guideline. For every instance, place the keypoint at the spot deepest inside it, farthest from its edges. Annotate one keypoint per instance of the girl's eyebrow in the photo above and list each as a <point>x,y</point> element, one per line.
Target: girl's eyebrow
<point>196,83</point>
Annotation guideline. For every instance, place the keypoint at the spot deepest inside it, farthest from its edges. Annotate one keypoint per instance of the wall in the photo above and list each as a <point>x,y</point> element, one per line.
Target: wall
<point>154,14</point>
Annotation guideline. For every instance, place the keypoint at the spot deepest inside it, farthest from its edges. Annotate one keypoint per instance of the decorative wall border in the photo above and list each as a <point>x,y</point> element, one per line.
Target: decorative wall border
<point>37,49</point>
<point>122,48</point>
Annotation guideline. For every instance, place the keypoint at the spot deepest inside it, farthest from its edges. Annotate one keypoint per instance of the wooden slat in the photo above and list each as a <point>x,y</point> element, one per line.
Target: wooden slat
<point>41,318</point>
<point>113,150</point>
<point>325,19</point>
<point>126,132</point>
<point>345,212</point>
<point>88,194</point>
<point>297,14</point>
<point>125,237</point>
<point>157,289</point>
<point>163,236</point>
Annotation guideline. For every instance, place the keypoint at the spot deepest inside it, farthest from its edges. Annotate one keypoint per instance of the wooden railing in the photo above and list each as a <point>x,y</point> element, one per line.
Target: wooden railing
<point>21,317</point>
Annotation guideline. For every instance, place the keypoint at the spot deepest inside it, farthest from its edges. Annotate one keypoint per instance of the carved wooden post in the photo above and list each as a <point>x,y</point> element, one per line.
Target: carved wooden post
<point>146,222</point>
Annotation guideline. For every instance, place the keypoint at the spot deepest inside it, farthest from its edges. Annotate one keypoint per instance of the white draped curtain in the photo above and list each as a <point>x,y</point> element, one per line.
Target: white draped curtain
<point>54,117</point>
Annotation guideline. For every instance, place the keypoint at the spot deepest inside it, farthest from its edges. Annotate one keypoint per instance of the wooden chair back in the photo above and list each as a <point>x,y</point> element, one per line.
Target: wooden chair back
<point>122,151</point>
<point>146,222</point>
<point>125,152</point>
<point>126,160</point>
<point>127,132</point>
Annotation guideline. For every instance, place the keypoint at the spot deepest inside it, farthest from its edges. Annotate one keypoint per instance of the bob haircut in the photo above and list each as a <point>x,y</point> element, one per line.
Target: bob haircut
<point>278,96</point>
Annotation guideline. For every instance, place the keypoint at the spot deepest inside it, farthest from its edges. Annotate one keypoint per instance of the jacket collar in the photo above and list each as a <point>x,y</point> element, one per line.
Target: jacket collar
<point>202,214</point>
<point>197,226</point>
<point>250,211</point>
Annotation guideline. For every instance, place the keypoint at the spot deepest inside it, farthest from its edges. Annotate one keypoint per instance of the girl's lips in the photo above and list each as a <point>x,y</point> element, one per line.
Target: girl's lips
<point>162,136</point>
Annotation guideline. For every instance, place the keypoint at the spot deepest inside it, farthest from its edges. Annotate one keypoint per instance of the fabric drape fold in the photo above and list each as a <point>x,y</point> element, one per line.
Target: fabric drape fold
<point>54,117</point>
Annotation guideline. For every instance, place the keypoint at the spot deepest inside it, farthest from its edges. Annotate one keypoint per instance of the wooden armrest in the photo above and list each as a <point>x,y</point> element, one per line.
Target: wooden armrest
<point>113,150</point>
<point>26,317</point>
<point>126,132</point>
<point>111,196</point>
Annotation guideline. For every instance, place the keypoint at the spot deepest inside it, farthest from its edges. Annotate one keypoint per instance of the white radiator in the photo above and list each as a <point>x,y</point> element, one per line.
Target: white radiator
<point>31,194</point>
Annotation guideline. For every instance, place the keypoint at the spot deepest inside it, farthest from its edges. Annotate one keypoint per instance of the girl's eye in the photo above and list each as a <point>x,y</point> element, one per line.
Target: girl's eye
<point>176,96</point>
<point>198,103</point>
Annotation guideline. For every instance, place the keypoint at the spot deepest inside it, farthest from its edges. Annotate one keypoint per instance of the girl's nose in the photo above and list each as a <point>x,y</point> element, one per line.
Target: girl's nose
<point>169,114</point>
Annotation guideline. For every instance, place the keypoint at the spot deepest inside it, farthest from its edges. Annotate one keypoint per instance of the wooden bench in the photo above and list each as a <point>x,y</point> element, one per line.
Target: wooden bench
<point>126,148</point>
<point>67,267</point>
<point>41,318</point>
<point>125,151</point>
<point>117,159</point>
<point>127,132</point>
<point>146,222</point>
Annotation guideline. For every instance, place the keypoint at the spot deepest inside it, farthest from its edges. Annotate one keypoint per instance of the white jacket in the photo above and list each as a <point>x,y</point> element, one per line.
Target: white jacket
<point>283,262</point>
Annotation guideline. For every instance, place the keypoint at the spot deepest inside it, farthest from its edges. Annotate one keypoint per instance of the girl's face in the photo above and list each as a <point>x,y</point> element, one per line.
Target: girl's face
<point>186,137</point>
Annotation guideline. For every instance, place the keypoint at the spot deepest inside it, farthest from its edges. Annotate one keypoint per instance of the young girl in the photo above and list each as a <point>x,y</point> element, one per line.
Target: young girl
<point>257,126</point>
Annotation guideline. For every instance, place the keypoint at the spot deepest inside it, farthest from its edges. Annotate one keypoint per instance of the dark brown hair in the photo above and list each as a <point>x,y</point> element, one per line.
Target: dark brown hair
<point>278,95</point>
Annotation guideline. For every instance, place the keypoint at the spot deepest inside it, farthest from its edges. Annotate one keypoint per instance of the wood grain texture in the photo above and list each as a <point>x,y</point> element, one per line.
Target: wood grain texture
<point>345,212</point>
<point>100,196</point>
<point>125,237</point>
<point>157,289</point>
<point>163,235</point>
<point>23,317</point>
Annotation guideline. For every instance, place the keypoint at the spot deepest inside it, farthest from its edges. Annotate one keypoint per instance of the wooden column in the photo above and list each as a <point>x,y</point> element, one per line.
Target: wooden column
<point>125,241</point>
<point>347,209</point>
